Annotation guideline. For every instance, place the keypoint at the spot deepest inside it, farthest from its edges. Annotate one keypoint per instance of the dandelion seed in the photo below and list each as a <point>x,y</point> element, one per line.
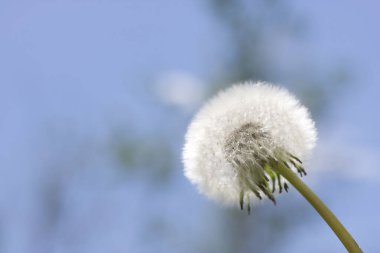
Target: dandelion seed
<point>235,140</point>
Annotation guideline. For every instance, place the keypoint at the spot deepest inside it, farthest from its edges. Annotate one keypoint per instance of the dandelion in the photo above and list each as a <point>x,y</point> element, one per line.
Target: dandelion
<point>234,140</point>
<point>248,142</point>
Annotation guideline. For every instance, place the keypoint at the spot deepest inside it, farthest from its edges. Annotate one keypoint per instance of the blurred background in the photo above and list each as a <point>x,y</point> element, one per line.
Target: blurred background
<point>96,95</point>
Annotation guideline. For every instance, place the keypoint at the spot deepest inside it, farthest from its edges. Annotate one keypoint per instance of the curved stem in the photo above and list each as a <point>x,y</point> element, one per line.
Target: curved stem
<point>320,207</point>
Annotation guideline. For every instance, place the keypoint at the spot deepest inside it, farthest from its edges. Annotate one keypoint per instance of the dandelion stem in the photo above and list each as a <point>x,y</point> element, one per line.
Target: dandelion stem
<point>320,207</point>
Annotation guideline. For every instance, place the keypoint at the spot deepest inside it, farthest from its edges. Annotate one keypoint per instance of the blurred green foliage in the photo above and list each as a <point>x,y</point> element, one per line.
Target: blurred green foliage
<point>151,155</point>
<point>254,29</point>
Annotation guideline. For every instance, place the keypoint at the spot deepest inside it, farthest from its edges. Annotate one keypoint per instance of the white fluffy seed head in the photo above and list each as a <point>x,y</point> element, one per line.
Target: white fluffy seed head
<point>237,132</point>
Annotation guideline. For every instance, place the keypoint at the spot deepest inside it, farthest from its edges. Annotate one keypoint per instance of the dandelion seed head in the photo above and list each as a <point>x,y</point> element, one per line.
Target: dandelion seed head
<point>232,140</point>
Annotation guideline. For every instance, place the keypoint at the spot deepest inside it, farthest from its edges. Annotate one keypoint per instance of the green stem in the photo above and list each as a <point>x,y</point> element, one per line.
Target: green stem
<point>320,207</point>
